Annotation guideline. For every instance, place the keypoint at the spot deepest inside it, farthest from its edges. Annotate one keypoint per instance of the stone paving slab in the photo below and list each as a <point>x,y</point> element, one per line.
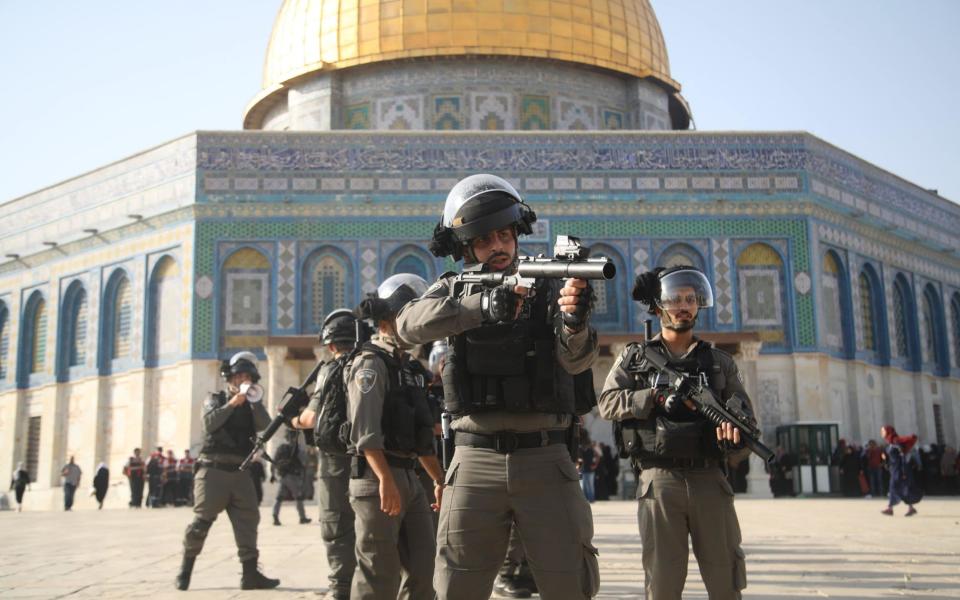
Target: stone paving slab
<point>796,548</point>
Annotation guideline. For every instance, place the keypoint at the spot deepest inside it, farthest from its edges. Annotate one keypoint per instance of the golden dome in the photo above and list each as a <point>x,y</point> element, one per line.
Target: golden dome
<point>325,35</point>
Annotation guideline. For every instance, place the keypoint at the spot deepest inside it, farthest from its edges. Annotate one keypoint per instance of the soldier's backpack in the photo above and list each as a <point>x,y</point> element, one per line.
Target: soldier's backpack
<point>332,431</point>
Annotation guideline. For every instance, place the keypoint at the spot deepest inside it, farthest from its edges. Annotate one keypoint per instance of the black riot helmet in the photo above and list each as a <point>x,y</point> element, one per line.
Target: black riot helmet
<point>477,205</point>
<point>241,362</point>
<point>391,296</point>
<point>339,327</point>
<point>669,288</point>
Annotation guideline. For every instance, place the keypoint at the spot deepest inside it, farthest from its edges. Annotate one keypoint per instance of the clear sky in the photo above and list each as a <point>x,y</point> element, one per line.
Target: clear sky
<point>88,83</point>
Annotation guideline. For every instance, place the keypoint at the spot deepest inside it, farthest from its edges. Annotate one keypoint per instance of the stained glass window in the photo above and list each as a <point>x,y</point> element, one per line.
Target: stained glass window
<point>122,319</point>
<point>759,275</point>
<point>78,341</point>
<point>900,321</point>
<point>246,301</point>
<point>867,314</point>
<point>830,287</point>
<point>38,353</point>
<point>329,287</point>
<point>929,337</point>
<point>166,309</point>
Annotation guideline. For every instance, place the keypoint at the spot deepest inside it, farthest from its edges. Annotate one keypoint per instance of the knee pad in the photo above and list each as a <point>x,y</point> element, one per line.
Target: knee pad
<point>198,529</point>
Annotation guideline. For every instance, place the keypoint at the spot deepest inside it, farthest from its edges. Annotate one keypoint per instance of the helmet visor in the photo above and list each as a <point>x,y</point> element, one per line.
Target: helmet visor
<point>389,287</point>
<point>685,288</point>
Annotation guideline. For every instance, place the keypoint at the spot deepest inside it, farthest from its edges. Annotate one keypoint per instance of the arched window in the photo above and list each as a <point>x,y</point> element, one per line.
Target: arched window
<point>73,330</point>
<point>680,255</point>
<point>868,314</point>
<point>246,297</point>
<point>165,311</point>
<point>122,319</point>
<point>326,286</point>
<point>935,348</point>
<point>410,259</point>
<point>832,302</point>
<point>609,295</point>
<point>38,350</point>
<point>901,317</point>
<point>32,345</point>
<point>4,341</point>
<point>762,295</point>
<point>955,318</point>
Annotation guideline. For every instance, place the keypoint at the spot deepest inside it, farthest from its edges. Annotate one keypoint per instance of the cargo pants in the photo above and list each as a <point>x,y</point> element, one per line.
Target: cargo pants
<point>216,490</point>
<point>336,521</point>
<point>675,504</point>
<point>537,492</point>
<point>394,554</point>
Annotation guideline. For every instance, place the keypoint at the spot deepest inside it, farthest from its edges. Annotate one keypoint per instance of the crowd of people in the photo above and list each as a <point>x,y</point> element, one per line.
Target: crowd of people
<point>865,470</point>
<point>599,469</point>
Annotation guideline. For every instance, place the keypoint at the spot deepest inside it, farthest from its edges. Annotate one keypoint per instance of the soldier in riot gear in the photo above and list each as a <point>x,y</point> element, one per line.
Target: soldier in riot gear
<point>678,454</point>
<point>391,429</point>
<point>339,334</point>
<point>231,420</point>
<point>288,467</point>
<point>517,374</point>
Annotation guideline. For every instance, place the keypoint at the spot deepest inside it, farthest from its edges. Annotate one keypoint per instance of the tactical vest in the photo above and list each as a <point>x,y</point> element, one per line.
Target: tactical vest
<point>332,431</point>
<point>236,435</point>
<point>407,422</point>
<point>513,367</point>
<point>687,436</point>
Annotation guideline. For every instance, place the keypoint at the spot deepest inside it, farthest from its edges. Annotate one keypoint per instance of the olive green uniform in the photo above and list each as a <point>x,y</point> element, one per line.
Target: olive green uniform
<point>336,515</point>
<point>394,553</point>
<point>536,490</point>
<point>219,484</point>
<point>677,502</point>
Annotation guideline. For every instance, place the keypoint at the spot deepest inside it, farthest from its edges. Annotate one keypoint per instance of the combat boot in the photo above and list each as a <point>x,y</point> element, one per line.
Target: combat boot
<point>253,579</point>
<point>511,587</point>
<point>186,569</point>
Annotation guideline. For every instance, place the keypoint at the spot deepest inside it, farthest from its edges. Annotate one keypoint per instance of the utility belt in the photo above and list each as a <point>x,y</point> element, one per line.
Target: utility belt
<point>359,464</point>
<point>506,442</point>
<point>214,464</point>
<point>675,463</point>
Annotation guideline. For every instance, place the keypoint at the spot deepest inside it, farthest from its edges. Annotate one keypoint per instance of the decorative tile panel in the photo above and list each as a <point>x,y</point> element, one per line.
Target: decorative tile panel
<point>534,112</point>
<point>400,113</point>
<point>490,111</point>
<point>357,116</point>
<point>286,283</point>
<point>723,283</point>
<point>448,112</point>
<point>575,115</point>
<point>612,119</point>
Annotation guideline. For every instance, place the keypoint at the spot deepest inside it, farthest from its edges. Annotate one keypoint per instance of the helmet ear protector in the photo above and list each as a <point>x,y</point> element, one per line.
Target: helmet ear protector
<point>447,241</point>
<point>477,205</point>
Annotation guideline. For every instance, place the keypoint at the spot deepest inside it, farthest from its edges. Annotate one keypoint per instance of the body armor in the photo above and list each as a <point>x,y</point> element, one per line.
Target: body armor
<point>684,436</point>
<point>513,367</point>
<point>407,422</point>
<point>236,435</point>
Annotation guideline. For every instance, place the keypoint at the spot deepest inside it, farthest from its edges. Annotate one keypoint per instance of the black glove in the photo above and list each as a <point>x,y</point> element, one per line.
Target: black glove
<point>499,304</point>
<point>646,287</point>
<point>673,405</point>
<point>578,318</point>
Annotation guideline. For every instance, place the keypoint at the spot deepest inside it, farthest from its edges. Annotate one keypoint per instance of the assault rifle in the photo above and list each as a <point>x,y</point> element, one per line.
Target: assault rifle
<point>293,400</point>
<point>705,403</point>
<point>572,260</point>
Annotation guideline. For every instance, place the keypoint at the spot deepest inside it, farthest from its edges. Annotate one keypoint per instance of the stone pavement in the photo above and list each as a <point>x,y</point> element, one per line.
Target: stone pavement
<point>796,548</point>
